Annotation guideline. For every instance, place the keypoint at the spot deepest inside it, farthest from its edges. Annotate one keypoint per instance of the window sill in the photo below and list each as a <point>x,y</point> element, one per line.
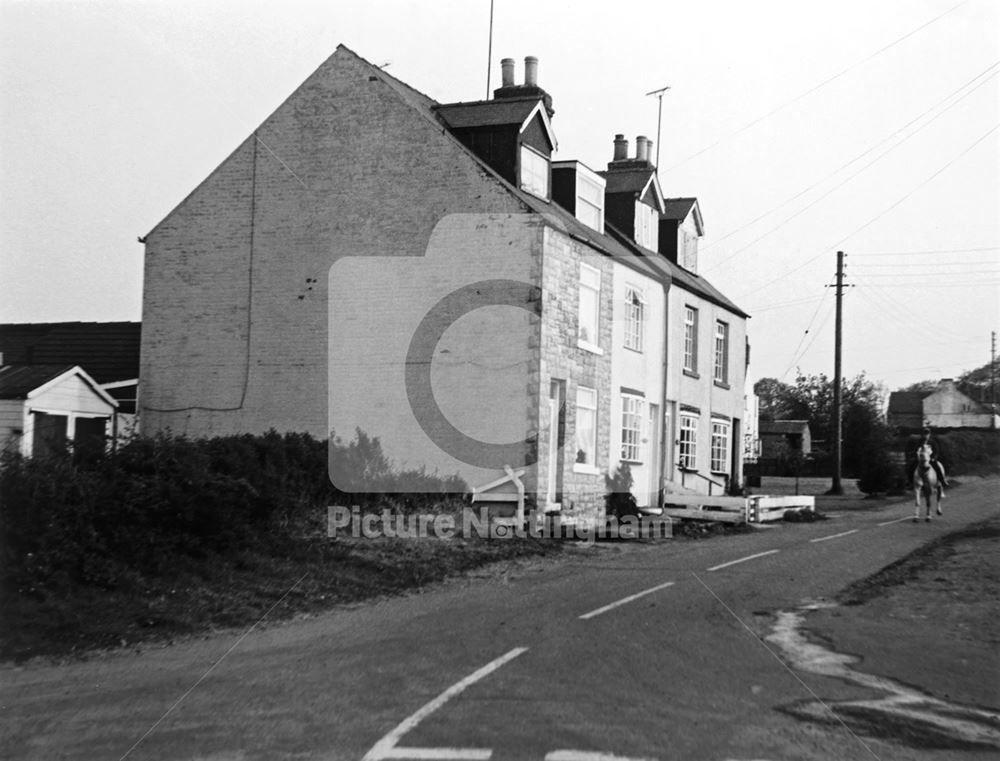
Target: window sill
<point>590,470</point>
<point>632,349</point>
<point>721,473</point>
<point>686,469</point>
<point>691,374</point>
<point>722,384</point>
<point>592,348</point>
<point>631,462</point>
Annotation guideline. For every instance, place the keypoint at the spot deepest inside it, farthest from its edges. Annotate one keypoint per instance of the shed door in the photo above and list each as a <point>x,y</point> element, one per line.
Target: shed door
<point>49,436</point>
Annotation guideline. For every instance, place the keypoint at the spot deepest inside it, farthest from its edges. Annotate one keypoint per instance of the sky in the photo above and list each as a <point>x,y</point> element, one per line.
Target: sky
<point>803,128</point>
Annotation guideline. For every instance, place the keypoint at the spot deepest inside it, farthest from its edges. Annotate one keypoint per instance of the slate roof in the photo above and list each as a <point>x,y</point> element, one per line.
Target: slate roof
<point>627,181</point>
<point>907,402</point>
<point>108,351</point>
<point>17,381</point>
<point>484,113</point>
<point>678,208</point>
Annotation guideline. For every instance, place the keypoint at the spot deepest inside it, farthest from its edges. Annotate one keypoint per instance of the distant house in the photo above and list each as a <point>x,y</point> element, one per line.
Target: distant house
<point>44,406</point>
<point>107,351</point>
<point>943,407</point>
<point>780,438</point>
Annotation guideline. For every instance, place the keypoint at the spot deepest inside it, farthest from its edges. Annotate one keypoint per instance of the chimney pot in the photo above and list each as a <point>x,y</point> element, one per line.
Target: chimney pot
<point>640,149</point>
<point>531,71</point>
<point>507,72</point>
<point>621,148</point>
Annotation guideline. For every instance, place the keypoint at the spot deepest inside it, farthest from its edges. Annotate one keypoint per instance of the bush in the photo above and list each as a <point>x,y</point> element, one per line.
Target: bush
<point>112,519</point>
<point>619,500</point>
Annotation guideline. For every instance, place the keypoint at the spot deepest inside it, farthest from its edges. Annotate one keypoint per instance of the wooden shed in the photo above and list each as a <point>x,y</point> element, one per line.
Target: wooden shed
<point>44,406</point>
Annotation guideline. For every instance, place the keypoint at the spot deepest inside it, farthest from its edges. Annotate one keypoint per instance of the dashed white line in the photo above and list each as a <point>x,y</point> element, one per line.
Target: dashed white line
<point>386,747</point>
<point>887,523</point>
<point>588,755</point>
<point>742,560</point>
<point>624,600</point>
<point>833,536</point>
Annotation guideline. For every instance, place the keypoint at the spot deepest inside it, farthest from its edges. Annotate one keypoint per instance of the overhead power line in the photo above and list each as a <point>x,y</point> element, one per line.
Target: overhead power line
<point>850,177</point>
<point>878,216</point>
<point>814,88</point>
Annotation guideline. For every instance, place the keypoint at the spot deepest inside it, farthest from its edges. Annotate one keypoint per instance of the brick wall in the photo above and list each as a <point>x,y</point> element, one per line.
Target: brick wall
<point>235,294</point>
<point>562,359</point>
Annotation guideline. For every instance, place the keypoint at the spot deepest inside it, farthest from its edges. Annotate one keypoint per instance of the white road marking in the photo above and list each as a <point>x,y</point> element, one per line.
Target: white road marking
<point>904,518</point>
<point>440,754</point>
<point>834,536</point>
<point>624,600</point>
<point>742,560</point>
<point>588,755</point>
<point>386,747</point>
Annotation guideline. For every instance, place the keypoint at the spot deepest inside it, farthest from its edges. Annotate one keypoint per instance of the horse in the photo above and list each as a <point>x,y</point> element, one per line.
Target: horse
<point>925,483</point>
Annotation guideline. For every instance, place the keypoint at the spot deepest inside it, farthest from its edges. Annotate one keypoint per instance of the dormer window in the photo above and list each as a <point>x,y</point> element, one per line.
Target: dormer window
<point>590,202</point>
<point>534,172</point>
<point>647,226</point>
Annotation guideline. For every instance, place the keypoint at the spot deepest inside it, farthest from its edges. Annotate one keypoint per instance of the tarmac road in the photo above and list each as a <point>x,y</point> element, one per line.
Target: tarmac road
<point>619,652</point>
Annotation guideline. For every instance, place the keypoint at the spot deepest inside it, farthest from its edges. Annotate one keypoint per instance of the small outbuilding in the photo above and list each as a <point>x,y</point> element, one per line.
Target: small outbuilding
<point>781,438</point>
<point>44,406</point>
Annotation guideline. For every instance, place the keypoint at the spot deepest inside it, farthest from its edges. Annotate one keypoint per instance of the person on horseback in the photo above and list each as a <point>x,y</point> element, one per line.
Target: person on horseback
<point>927,441</point>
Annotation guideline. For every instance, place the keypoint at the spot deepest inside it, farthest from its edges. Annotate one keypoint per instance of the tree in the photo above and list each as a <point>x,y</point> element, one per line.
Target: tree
<point>866,436</point>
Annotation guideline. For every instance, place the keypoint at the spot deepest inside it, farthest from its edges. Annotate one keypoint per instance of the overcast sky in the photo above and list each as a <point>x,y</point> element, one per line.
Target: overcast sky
<point>802,127</point>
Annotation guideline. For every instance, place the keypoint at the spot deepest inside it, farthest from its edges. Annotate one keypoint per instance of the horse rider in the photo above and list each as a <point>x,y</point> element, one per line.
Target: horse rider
<point>927,441</point>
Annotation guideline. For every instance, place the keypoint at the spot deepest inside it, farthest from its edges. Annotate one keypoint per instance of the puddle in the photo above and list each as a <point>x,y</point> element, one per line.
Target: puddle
<point>899,713</point>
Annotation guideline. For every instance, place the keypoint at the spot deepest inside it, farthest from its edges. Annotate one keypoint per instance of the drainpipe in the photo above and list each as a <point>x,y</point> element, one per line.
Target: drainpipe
<point>665,437</point>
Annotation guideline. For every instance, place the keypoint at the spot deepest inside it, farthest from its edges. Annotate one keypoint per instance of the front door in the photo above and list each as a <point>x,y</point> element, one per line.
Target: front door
<point>654,455</point>
<point>557,434</point>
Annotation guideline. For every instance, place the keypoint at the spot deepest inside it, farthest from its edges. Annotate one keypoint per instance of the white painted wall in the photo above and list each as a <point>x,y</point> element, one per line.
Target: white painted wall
<point>11,421</point>
<point>641,371</point>
<point>701,392</point>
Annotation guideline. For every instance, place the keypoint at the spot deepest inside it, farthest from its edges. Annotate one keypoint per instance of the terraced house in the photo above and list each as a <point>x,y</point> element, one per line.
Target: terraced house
<point>431,275</point>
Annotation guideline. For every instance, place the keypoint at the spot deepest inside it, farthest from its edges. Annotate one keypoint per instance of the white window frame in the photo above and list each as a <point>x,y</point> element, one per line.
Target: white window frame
<point>646,226</point>
<point>690,339</point>
<point>593,205</point>
<point>721,370</point>
<point>586,407</point>
<point>635,316</point>
<point>534,172</point>
<point>633,414</point>
<point>720,446</point>
<point>687,454</point>
<point>590,284</point>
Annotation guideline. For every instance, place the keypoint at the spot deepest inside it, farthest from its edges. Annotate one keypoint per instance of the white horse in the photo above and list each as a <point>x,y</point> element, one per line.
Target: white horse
<point>925,483</point>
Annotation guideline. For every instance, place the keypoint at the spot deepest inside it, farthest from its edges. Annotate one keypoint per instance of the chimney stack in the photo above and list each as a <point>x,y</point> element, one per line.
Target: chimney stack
<point>507,72</point>
<point>640,149</point>
<point>621,148</point>
<point>531,71</point>
<point>649,151</point>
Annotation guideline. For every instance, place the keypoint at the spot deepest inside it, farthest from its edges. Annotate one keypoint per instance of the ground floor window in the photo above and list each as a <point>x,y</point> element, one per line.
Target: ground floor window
<point>586,426</point>
<point>631,428</point>
<point>720,446</point>
<point>688,454</point>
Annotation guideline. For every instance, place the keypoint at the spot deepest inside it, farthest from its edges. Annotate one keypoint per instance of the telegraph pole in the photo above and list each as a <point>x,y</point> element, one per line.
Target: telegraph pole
<point>993,368</point>
<point>838,418</point>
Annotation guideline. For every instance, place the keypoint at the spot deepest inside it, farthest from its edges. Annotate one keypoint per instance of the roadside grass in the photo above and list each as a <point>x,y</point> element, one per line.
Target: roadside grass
<point>222,591</point>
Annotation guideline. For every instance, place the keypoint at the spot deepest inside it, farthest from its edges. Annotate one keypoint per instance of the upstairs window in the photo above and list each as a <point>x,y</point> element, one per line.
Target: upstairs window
<point>590,306</point>
<point>647,226</point>
<point>721,372</point>
<point>590,202</point>
<point>534,172</point>
<point>635,308</point>
<point>691,339</point>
